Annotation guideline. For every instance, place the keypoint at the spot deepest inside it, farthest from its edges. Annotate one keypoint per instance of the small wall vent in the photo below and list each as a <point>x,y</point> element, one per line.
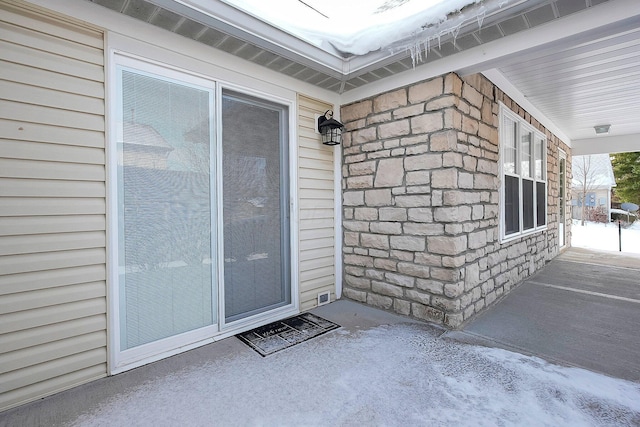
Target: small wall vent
<point>324,298</point>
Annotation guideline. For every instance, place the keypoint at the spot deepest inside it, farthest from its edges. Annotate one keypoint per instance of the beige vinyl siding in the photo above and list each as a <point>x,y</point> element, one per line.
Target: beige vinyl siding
<point>316,193</point>
<point>53,322</point>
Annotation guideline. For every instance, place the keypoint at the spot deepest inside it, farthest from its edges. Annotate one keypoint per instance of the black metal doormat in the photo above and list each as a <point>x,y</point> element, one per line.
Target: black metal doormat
<point>282,334</point>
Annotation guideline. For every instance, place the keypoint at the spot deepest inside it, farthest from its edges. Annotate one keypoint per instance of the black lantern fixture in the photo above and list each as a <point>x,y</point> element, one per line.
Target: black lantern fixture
<point>330,129</point>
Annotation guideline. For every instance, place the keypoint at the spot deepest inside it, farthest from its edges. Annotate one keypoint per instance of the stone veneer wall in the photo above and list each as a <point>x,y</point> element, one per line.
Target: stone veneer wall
<point>421,201</point>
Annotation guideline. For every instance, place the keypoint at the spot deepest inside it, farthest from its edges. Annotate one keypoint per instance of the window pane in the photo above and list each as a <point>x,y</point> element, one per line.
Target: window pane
<point>539,159</point>
<point>255,192</point>
<point>525,154</point>
<point>541,202</point>
<point>511,205</point>
<point>164,209</point>
<point>527,204</point>
<point>509,144</point>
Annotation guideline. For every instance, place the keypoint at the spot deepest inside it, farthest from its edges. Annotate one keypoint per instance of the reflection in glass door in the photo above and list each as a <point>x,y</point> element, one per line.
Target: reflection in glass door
<point>164,207</point>
<point>255,211</point>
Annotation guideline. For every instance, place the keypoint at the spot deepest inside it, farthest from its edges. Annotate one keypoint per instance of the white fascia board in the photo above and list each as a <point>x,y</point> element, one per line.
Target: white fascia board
<point>228,67</point>
<point>487,55</point>
<point>606,144</point>
<point>223,17</point>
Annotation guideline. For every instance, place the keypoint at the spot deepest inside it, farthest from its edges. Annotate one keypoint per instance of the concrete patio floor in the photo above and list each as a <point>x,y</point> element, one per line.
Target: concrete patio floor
<point>377,369</point>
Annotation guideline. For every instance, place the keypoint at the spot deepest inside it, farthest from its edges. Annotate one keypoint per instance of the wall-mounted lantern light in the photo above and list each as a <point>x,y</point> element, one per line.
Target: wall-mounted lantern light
<point>330,129</point>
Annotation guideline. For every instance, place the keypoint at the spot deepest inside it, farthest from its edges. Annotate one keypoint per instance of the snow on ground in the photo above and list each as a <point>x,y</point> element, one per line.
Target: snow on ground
<point>595,235</point>
<point>399,375</point>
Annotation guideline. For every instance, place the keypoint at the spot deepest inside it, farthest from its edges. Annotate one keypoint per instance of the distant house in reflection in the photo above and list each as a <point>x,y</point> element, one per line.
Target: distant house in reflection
<point>144,147</point>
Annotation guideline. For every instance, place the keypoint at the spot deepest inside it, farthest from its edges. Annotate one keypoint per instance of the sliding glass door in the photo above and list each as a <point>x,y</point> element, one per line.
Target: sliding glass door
<point>202,213</point>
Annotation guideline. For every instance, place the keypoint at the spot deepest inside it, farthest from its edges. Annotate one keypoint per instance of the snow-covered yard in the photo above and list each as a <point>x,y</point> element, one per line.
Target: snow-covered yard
<point>594,235</point>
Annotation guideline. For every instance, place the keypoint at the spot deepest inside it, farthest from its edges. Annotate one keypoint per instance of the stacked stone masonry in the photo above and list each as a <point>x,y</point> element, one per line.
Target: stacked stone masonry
<point>421,201</point>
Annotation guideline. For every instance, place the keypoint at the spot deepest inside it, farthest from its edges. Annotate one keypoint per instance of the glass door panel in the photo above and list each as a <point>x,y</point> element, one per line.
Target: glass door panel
<point>255,206</point>
<point>164,208</point>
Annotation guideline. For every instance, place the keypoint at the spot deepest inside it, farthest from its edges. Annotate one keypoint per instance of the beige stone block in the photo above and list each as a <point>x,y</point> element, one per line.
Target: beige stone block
<point>470,125</point>
<point>420,214</point>
<point>444,141</point>
<point>452,119</point>
<point>379,118</point>
<point>374,274</point>
<point>426,123</point>
<point>485,182</point>
<point>402,307</point>
<point>447,101</point>
<point>417,149</point>
<point>391,228</point>
<point>465,180</point>
<point>426,91</point>
<point>366,214</point>
<point>445,274</point>
<point>358,260</point>
<point>413,270</point>
<point>418,178</point>
<point>379,301</point>
<point>353,198</point>
<point>390,173</point>
<point>363,168</point>
<point>400,280</point>
<point>359,182</point>
<point>453,290</point>
<point>351,238</point>
<point>423,162</point>
<point>398,152</point>
<point>393,214</point>
<point>418,296</point>
<point>426,312</point>
<point>444,178</point>
<point>432,286</point>
<point>486,166</point>
<point>401,255</point>
<point>371,147</point>
<point>357,282</point>
<point>414,140</point>
<point>377,197</point>
<point>453,320</point>
<point>412,201</point>
<point>356,111</point>
<point>452,160</point>
<point>469,163</point>
<point>385,264</point>
<point>376,241</point>
<point>408,243</point>
<point>445,304</point>
<point>362,136</point>
<point>394,129</point>
<point>387,289</point>
<point>453,84</point>
<point>354,271</point>
<point>355,158</point>
<point>354,294</point>
<point>447,245</point>
<point>472,96</point>
<point>390,100</point>
<point>454,262</point>
<point>410,111</point>
<point>379,154</point>
<point>423,229</point>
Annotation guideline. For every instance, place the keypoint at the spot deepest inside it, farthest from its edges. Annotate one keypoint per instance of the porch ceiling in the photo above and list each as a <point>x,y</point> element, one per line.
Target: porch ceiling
<point>577,62</point>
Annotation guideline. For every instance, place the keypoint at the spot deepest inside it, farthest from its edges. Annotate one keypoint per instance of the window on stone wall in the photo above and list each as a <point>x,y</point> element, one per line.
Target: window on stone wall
<point>523,161</point>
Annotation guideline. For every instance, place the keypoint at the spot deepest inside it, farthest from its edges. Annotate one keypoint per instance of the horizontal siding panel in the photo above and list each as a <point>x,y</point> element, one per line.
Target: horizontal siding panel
<point>322,184</point>
<point>54,350</point>
<point>54,332</point>
<point>310,224</point>
<point>52,385</point>
<point>12,264</point>
<point>312,293</point>
<point>319,283</point>
<point>316,154</point>
<point>310,193</point>
<point>45,371</point>
<point>312,163</point>
<point>15,245</point>
<point>15,226</point>
<point>312,204</point>
<point>317,233</point>
<point>317,213</point>
<point>47,61</point>
<point>48,79</point>
<point>316,174</point>
<point>311,254</point>
<point>35,39</point>
<point>48,188</point>
<point>316,273</point>
<point>18,206</point>
<point>317,243</point>
<point>316,263</point>
<point>53,26</point>
<point>35,169</point>
<point>22,301</point>
<point>53,314</point>
<point>27,150</point>
<point>29,113</point>
<point>37,132</point>
<point>30,281</point>
<point>50,98</point>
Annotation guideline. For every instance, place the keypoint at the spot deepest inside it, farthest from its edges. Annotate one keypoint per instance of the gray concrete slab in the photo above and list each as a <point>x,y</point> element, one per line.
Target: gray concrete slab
<point>583,309</point>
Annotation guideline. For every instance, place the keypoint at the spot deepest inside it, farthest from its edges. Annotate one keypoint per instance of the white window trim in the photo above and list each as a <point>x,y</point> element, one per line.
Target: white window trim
<point>523,126</point>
